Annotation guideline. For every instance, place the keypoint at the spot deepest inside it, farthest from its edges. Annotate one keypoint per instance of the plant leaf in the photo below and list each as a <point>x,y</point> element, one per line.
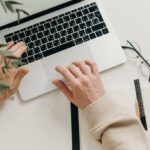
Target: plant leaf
<point>2,3</point>
<point>5,52</point>
<point>12,57</point>
<point>3,86</point>
<point>9,7</point>
<point>3,45</point>
<point>16,64</point>
<point>18,13</point>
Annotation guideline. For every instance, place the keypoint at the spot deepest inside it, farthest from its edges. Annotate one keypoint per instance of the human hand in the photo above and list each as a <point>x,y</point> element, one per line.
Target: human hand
<point>13,76</point>
<point>84,84</point>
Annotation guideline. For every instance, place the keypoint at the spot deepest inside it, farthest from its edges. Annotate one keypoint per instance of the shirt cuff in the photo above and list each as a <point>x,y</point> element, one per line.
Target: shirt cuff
<point>101,112</point>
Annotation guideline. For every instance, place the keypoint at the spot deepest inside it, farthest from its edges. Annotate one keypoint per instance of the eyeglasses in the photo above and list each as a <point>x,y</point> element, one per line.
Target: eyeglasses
<point>133,51</point>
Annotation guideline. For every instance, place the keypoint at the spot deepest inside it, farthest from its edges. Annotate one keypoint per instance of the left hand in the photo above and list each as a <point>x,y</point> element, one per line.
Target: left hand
<point>14,76</point>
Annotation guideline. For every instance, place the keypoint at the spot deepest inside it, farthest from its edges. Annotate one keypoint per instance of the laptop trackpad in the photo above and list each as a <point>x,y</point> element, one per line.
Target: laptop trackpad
<point>65,58</point>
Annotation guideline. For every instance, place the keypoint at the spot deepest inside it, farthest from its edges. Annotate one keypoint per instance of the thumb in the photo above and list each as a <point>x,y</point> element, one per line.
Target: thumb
<point>19,76</point>
<point>64,88</point>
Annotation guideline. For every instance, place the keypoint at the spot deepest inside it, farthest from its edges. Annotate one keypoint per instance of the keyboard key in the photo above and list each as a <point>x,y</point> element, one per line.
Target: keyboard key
<point>28,33</point>
<point>94,8</point>
<point>66,18</point>
<point>79,14</point>
<point>53,23</point>
<point>95,21</point>
<point>21,35</point>
<point>70,31</point>
<point>9,35</point>
<point>85,11</point>
<point>43,47</point>
<point>92,4</point>
<point>47,25</point>
<point>41,28</point>
<point>8,39</point>
<point>33,37</point>
<point>82,33</point>
<point>38,56</point>
<point>59,48</point>
<point>24,55</point>
<point>49,45</point>
<point>44,40</point>
<point>69,37</point>
<point>72,23</point>
<point>15,38</point>
<point>78,41</point>
<point>59,28</point>
<point>42,22</point>
<point>56,43</point>
<point>60,21</point>
<point>75,35</point>
<point>78,20</point>
<point>92,35</point>
<point>73,16</point>
<point>37,50</point>
<point>31,45</point>
<point>63,33</point>
<point>82,26</point>
<point>50,38</point>
<point>30,52</point>
<point>57,35</point>
<point>62,40</point>
<point>105,31</point>
<point>76,28</point>
<point>46,32</point>
<point>91,16</point>
<point>89,23</point>
<point>27,40</point>
<point>86,38</point>
<point>97,14</point>
<point>53,30</point>
<point>65,25</point>
<point>99,26</point>
<point>24,61</point>
<point>99,33</point>
<point>34,30</point>
<point>40,35</point>
<point>31,59</point>
<point>37,43</point>
<point>85,18</point>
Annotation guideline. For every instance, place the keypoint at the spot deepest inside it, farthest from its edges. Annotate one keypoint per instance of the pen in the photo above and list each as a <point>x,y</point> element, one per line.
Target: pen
<point>140,103</point>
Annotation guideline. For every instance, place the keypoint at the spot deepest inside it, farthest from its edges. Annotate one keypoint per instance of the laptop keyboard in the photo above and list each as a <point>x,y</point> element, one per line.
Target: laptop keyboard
<point>59,33</point>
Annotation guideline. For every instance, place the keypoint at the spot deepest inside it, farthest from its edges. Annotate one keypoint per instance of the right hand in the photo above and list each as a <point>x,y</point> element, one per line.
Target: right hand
<point>84,86</point>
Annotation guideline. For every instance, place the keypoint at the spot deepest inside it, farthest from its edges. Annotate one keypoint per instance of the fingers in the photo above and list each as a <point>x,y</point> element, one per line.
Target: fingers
<point>10,44</point>
<point>19,76</point>
<point>82,67</point>
<point>68,76</point>
<point>63,87</point>
<point>19,49</point>
<point>93,66</point>
<point>75,70</point>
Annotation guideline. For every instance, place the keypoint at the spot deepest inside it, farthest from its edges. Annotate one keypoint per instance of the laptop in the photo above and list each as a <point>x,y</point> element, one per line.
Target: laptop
<point>58,33</point>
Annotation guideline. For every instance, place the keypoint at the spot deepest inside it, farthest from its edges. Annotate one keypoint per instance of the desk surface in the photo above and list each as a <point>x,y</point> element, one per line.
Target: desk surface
<point>131,21</point>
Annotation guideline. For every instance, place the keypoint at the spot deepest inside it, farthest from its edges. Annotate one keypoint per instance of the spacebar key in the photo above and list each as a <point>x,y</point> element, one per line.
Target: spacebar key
<point>58,49</point>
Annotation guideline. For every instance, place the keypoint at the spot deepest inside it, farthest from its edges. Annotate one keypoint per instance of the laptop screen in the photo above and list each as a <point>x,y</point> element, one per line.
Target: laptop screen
<point>31,6</point>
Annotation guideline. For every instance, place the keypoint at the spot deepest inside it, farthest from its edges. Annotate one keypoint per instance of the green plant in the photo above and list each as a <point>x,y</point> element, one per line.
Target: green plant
<point>10,6</point>
<point>7,60</point>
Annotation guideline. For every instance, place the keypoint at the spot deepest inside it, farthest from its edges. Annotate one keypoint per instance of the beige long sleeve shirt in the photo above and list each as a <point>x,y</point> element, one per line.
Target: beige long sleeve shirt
<point>112,124</point>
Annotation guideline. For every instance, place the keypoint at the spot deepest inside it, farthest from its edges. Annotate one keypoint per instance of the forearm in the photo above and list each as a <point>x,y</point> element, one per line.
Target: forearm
<point>111,123</point>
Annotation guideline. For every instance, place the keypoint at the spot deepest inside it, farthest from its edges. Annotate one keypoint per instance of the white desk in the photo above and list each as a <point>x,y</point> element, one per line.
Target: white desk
<point>131,21</point>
